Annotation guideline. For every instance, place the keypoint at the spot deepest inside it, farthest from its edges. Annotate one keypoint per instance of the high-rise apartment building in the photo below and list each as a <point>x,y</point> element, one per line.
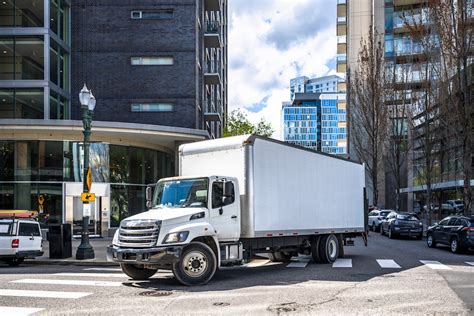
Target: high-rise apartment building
<point>158,70</point>
<point>316,121</point>
<point>315,85</point>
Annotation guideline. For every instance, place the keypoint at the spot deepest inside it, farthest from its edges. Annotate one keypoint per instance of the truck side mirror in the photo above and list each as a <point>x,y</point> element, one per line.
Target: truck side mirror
<point>148,195</point>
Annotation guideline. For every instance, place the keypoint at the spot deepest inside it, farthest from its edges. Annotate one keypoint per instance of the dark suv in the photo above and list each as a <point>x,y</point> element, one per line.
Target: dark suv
<point>455,231</point>
<point>397,224</point>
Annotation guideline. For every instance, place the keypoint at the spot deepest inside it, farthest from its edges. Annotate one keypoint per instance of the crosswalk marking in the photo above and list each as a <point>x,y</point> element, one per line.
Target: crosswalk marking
<point>18,311</point>
<point>342,263</point>
<point>470,263</point>
<point>435,265</point>
<point>68,282</point>
<point>388,264</point>
<point>102,269</point>
<point>95,275</point>
<point>301,263</point>
<point>44,294</point>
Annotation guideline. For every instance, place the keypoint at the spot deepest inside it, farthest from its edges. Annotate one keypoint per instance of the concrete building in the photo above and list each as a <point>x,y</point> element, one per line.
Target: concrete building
<point>316,121</point>
<point>158,70</point>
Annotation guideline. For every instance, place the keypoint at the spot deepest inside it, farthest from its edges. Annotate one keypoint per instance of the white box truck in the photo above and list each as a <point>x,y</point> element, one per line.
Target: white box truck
<point>238,196</point>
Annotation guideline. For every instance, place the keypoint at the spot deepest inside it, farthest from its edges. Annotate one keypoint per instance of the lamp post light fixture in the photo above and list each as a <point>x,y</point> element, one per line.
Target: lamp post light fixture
<point>87,99</point>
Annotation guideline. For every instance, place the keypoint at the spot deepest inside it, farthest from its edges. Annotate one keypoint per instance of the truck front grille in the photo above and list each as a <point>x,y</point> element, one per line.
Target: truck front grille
<point>139,233</point>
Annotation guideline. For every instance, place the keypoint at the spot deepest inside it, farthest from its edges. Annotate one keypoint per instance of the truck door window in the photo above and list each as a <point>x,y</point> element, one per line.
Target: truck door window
<point>218,194</point>
<point>27,229</point>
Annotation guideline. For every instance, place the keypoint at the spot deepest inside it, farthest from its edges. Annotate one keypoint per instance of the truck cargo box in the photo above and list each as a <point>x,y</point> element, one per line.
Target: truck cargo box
<point>285,190</point>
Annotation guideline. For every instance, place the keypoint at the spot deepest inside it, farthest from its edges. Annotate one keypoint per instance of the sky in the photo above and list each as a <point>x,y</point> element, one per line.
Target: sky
<point>271,42</point>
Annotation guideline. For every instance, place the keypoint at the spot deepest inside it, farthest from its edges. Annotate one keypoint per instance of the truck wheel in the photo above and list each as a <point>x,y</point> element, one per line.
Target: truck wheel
<point>315,249</point>
<point>136,272</point>
<point>197,265</point>
<point>281,256</point>
<point>13,262</point>
<point>328,248</point>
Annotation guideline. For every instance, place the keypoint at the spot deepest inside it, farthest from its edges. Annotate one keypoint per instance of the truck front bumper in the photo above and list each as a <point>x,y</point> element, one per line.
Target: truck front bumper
<point>161,256</point>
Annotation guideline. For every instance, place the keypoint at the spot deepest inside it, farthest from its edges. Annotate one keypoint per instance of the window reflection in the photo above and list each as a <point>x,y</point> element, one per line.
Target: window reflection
<point>22,13</point>
<point>21,58</point>
<point>22,103</point>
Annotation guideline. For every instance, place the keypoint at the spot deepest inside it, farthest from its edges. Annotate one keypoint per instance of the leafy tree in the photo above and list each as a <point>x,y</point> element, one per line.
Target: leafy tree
<point>239,124</point>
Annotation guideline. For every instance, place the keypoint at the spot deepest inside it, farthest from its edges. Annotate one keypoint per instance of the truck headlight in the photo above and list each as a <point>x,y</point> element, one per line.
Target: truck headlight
<point>175,237</point>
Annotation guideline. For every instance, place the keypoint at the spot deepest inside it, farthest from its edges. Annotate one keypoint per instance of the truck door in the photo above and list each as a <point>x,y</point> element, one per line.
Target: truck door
<point>225,210</point>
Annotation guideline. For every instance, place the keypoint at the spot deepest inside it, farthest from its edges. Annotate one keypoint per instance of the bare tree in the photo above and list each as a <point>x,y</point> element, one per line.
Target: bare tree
<point>453,20</point>
<point>368,113</point>
<point>398,102</point>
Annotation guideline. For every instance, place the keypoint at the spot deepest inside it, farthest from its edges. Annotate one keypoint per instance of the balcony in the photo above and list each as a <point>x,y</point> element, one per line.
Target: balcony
<point>210,113</point>
<point>211,35</point>
<point>212,5</point>
<point>212,73</point>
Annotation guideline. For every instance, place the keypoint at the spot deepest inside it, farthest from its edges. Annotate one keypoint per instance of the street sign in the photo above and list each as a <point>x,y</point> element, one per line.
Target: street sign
<point>88,197</point>
<point>89,179</point>
<point>86,210</point>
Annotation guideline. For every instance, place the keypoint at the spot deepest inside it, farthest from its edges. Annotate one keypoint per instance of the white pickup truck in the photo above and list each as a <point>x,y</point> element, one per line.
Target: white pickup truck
<point>19,239</point>
<point>239,196</point>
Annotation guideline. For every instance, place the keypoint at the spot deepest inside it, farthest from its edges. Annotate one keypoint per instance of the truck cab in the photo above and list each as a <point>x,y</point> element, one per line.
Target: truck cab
<point>199,213</point>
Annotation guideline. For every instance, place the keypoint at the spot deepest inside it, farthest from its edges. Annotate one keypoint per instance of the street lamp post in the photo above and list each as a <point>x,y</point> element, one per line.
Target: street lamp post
<point>85,250</point>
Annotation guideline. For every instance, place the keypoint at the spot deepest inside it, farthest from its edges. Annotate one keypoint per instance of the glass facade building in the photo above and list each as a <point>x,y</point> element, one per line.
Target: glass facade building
<point>34,59</point>
<point>316,121</point>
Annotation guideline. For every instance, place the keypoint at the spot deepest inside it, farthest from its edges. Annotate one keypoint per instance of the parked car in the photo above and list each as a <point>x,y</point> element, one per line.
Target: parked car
<point>398,224</point>
<point>445,208</point>
<point>458,205</point>
<point>454,231</point>
<point>376,217</point>
<point>19,239</point>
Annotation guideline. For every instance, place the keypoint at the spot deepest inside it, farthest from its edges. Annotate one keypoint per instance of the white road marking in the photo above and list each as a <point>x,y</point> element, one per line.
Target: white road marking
<point>470,263</point>
<point>18,311</point>
<point>301,263</point>
<point>388,264</point>
<point>435,265</point>
<point>102,269</point>
<point>68,282</point>
<point>47,294</point>
<point>342,263</point>
<point>98,275</point>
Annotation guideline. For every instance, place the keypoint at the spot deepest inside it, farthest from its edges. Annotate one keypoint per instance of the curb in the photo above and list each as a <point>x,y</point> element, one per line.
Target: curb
<point>70,262</point>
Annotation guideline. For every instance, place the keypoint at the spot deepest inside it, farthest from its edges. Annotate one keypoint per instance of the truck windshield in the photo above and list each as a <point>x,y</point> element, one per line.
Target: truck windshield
<point>181,193</point>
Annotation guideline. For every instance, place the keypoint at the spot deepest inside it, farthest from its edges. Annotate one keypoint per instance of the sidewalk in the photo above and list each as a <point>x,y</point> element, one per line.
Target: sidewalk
<point>100,250</point>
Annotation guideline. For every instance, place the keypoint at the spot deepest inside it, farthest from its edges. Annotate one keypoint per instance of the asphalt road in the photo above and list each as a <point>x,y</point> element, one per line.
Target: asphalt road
<point>412,279</point>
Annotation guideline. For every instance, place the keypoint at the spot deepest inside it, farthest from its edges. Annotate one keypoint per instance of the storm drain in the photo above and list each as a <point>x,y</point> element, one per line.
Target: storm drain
<point>155,293</point>
<point>221,304</point>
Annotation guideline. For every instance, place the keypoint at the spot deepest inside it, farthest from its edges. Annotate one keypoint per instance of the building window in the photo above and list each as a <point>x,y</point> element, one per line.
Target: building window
<point>152,14</point>
<point>152,107</point>
<point>22,103</point>
<point>146,61</point>
<point>28,13</point>
<point>21,58</point>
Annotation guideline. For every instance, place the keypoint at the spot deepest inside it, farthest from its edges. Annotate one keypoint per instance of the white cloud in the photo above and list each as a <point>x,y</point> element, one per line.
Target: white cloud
<point>271,42</point>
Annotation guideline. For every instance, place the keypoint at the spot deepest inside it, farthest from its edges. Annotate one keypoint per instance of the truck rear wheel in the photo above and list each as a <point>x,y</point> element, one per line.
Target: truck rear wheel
<point>197,265</point>
<point>136,272</point>
<point>13,262</point>
<point>328,248</point>
<point>315,249</point>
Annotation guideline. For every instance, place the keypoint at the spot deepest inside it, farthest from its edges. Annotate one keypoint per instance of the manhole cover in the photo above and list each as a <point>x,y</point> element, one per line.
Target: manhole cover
<point>283,308</point>
<point>155,293</point>
<point>221,304</point>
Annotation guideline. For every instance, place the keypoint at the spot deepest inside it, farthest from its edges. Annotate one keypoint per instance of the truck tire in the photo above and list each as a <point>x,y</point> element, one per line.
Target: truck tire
<point>328,248</point>
<point>13,262</point>
<point>136,272</point>
<point>279,256</point>
<point>315,249</point>
<point>197,265</point>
